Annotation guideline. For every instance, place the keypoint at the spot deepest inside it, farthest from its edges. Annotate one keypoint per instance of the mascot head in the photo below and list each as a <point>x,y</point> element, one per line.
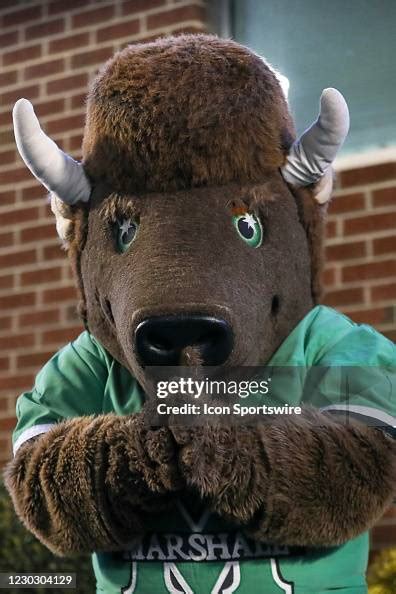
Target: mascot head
<point>194,220</point>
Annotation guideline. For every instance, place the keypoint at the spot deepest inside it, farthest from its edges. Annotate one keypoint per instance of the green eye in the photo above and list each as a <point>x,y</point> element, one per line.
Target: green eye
<point>249,228</point>
<point>126,232</point>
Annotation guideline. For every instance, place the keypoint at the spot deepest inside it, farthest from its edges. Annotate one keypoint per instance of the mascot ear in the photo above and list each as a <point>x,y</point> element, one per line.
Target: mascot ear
<point>58,172</point>
<point>310,156</point>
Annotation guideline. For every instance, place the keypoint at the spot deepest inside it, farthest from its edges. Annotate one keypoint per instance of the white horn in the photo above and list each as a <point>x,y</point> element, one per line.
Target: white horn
<point>312,154</point>
<point>56,170</point>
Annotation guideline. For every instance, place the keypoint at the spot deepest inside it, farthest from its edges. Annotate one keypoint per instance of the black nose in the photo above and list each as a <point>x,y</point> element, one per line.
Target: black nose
<point>160,340</point>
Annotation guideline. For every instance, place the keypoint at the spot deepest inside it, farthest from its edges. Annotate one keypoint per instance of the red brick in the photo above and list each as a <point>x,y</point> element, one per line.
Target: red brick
<point>22,55</point>
<point>5,323</point>
<point>65,124</point>
<point>383,292</point>
<point>9,38</point>
<point>19,216</point>
<point>62,335</point>
<point>57,6</point>
<point>328,277</point>
<point>346,251</point>
<point>7,239</point>
<point>176,15</point>
<point>14,382</point>
<point>7,197</point>
<point>7,281</point>
<point>7,157</point>
<point>41,232</point>
<point>8,424</point>
<point>36,277</point>
<point>8,78</point>
<point>5,118</point>
<point>368,175</point>
<point>18,258</point>
<point>379,315</point>
<point>369,270</point>
<point>75,143</point>
<point>15,341</point>
<point>34,193</point>
<point>348,202</point>
<point>93,16</point>
<point>52,107</point>
<point>133,6</point>
<point>45,29</point>
<point>119,30</point>
<point>4,366</point>
<point>385,245</point>
<point>97,56</point>
<point>59,294</point>
<point>44,69</point>
<point>69,42</point>
<point>10,97</point>
<point>53,252</point>
<point>34,359</point>
<point>331,229</point>
<point>17,300</point>
<point>368,223</point>
<point>344,297</point>
<point>7,136</point>
<point>67,83</point>
<point>384,197</point>
<point>21,16</point>
<point>39,318</point>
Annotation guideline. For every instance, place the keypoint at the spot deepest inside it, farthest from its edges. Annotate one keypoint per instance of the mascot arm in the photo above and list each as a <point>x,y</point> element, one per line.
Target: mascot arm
<point>87,483</point>
<point>319,478</point>
<point>82,480</point>
<point>306,481</point>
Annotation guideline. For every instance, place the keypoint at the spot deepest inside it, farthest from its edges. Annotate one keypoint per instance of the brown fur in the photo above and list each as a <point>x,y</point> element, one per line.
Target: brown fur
<point>307,481</point>
<point>180,133</point>
<point>183,112</point>
<point>87,484</point>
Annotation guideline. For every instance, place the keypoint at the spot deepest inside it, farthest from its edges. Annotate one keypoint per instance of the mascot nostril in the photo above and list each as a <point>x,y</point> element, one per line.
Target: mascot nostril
<point>161,340</point>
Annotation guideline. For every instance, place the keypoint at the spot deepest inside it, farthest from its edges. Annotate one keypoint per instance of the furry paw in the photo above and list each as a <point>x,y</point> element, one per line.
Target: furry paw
<point>227,465</point>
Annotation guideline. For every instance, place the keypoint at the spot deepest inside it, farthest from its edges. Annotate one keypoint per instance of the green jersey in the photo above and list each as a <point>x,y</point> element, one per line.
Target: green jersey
<point>193,551</point>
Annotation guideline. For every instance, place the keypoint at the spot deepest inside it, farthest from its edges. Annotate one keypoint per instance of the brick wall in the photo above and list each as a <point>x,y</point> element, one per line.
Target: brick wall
<point>49,52</point>
<point>360,276</point>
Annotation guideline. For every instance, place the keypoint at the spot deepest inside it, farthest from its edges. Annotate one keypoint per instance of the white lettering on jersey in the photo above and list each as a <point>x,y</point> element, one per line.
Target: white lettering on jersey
<point>130,589</point>
<point>174,580</point>
<point>230,567</point>
<point>287,588</point>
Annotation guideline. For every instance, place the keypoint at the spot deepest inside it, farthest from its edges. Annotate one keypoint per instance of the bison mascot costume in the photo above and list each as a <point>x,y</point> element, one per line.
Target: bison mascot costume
<point>194,228</point>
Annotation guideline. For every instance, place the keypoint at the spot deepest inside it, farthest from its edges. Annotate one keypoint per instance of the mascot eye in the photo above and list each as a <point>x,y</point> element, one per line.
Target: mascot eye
<point>126,232</point>
<point>249,228</point>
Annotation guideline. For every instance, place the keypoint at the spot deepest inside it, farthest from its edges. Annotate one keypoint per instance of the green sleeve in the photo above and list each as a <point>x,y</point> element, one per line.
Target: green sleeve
<point>353,374</point>
<point>71,384</point>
